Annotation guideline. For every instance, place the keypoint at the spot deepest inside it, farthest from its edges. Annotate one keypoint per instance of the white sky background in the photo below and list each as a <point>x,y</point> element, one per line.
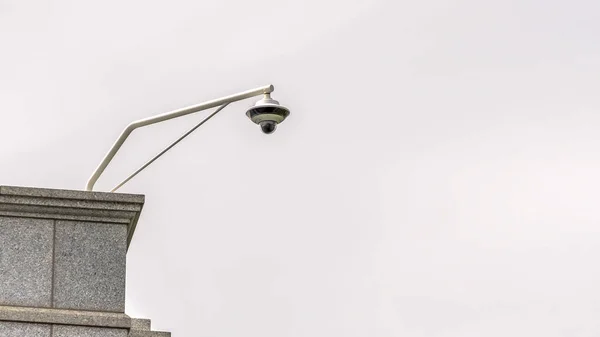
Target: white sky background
<point>438,175</point>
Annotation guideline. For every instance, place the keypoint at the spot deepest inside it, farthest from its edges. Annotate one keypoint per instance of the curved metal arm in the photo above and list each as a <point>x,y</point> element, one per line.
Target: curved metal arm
<point>164,117</point>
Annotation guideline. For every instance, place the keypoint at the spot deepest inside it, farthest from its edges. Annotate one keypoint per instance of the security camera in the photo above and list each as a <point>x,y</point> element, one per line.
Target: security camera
<point>267,113</point>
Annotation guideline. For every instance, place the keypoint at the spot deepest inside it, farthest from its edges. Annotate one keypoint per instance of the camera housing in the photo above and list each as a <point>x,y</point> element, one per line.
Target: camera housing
<point>267,113</point>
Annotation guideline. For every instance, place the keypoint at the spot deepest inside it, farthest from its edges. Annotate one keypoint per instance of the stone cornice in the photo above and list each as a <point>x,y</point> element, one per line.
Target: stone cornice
<point>59,316</point>
<point>72,205</point>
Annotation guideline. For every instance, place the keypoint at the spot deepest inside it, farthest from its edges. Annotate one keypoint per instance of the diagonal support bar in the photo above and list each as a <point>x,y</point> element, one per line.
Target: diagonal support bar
<point>169,147</point>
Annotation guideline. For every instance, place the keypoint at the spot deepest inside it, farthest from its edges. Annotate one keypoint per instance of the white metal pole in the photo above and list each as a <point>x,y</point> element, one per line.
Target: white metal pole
<point>166,116</point>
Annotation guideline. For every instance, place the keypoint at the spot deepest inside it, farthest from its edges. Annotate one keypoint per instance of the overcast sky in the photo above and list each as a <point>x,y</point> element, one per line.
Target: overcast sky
<point>438,175</point>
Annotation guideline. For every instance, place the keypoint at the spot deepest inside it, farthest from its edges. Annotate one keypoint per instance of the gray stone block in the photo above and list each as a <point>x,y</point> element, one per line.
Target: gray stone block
<point>60,316</point>
<point>90,266</point>
<point>141,324</point>
<point>48,193</point>
<point>26,261</point>
<point>15,329</point>
<point>86,331</point>
<point>142,333</point>
<point>52,204</point>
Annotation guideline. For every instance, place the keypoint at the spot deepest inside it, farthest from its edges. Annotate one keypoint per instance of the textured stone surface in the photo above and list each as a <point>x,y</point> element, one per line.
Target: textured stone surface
<point>90,266</point>
<point>142,333</point>
<point>140,324</point>
<point>142,328</point>
<point>25,261</point>
<point>85,331</point>
<point>72,205</point>
<point>69,249</point>
<point>15,329</point>
<point>47,193</point>
<point>58,316</point>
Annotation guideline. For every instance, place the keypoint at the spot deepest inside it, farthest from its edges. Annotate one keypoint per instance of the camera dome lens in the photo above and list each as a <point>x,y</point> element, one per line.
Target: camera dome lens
<point>268,127</point>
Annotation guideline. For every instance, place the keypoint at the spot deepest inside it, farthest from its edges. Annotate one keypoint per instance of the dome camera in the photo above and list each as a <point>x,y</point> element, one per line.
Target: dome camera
<point>267,113</point>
